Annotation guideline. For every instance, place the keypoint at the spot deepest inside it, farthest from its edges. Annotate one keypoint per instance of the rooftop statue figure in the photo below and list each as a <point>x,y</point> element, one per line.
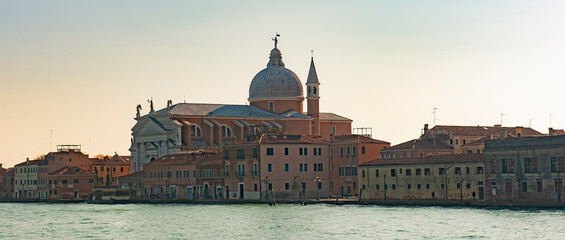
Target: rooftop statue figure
<point>276,40</point>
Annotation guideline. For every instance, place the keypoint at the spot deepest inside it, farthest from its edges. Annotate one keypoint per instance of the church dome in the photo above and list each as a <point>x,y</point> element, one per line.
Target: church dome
<point>275,81</point>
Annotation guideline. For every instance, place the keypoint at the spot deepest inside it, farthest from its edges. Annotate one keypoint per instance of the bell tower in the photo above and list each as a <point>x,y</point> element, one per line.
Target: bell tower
<point>313,98</point>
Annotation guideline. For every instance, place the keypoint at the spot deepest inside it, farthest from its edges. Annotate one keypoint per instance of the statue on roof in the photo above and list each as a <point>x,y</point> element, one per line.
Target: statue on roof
<point>151,105</point>
<point>276,40</point>
<point>138,108</point>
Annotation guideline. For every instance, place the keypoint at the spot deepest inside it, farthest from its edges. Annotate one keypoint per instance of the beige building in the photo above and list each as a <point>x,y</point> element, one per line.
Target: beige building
<point>25,179</point>
<point>442,177</point>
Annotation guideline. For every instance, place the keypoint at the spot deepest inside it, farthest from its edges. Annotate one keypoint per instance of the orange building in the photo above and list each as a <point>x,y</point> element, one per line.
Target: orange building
<point>71,182</point>
<point>195,175</point>
<point>109,169</point>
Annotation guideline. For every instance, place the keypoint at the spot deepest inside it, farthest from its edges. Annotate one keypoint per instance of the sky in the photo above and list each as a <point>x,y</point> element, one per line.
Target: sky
<point>72,72</point>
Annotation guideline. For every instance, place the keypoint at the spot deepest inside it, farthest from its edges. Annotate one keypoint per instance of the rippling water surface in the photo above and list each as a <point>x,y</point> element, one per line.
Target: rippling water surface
<point>178,221</point>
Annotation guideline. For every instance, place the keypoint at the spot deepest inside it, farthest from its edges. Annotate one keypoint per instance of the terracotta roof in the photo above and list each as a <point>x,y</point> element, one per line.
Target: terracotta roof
<point>31,162</point>
<point>352,138</point>
<point>287,138</point>
<point>70,170</point>
<point>435,159</point>
<point>325,116</point>
<point>187,159</point>
<point>481,130</point>
<point>133,175</point>
<point>419,144</point>
<point>480,142</point>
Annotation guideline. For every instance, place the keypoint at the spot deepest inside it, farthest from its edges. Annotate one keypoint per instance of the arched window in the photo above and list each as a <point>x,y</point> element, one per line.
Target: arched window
<point>195,131</point>
<point>226,131</point>
<point>308,90</point>
<point>314,90</point>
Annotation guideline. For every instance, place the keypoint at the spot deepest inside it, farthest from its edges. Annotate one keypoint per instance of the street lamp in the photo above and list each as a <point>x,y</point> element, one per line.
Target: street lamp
<point>317,180</point>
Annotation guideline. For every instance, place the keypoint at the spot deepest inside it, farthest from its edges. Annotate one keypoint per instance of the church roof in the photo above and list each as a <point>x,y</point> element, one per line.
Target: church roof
<point>225,110</point>
<point>325,116</point>
<point>276,81</point>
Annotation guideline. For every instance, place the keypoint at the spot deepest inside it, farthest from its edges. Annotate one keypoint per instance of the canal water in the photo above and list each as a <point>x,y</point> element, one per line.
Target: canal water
<point>284,221</point>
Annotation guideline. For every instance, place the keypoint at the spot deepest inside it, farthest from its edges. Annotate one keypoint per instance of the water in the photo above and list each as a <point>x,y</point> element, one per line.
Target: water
<point>317,221</point>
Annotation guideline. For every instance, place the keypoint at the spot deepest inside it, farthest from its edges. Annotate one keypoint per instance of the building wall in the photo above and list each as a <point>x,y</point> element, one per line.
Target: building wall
<point>248,178</point>
<point>77,186</point>
<point>25,182</point>
<point>280,106</point>
<point>525,169</point>
<point>423,186</point>
<point>341,127</point>
<point>303,170</point>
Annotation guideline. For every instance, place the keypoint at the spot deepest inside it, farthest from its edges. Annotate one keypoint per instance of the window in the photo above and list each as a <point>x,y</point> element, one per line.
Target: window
<point>363,150</point>
<point>169,174</point>
<point>271,106</point>
<point>539,186</point>
<point>492,164</point>
<point>286,167</point>
<point>270,151</point>
<point>348,151</point>
<point>301,167</point>
<point>315,151</point>
<point>377,187</point>
<point>393,186</point>
<point>508,166</point>
<point>300,151</point>
<point>341,171</point>
<point>240,154</point>
<point>227,171</point>
<point>418,171</point>
<point>377,173</point>
<point>319,151</point>
<point>255,169</point>
<point>409,186</point>
<point>354,150</point>
<point>393,172</point>
<point>458,185</point>
<point>333,130</point>
<point>75,181</point>
<point>331,151</point>
<point>467,170</point>
<point>441,171</point>
<point>285,151</point>
<point>195,131</point>
<point>558,186</point>
<point>427,186</point>
<point>479,170</point>
<point>408,172</point>
<point>64,181</point>
<point>524,186</point>
<point>226,154</point>
<point>269,167</point>
<point>254,155</point>
<point>419,186</point>
<point>286,186</point>
<point>468,186</point>
<point>240,170</point>
<point>363,174</point>
<point>427,171</point>
<point>226,131</point>
<point>305,151</point>
<point>341,151</point>
<point>443,186</point>
<point>306,167</point>
<point>457,171</point>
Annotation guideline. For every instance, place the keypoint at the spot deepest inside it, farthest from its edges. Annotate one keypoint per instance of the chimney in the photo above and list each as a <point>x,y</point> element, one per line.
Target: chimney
<point>425,128</point>
<point>519,131</point>
<point>27,160</point>
<point>1,166</point>
<point>550,132</point>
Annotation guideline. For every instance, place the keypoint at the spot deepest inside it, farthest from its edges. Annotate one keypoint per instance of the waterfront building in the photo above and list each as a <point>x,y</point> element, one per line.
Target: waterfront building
<point>70,182</point>
<point>283,166</point>
<point>345,154</point>
<point>276,101</point>
<point>443,177</point>
<point>25,180</point>
<point>526,169</point>
<point>7,189</point>
<point>186,176</point>
<point>109,169</point>
<point>134,183</point>
<point>65,156</point>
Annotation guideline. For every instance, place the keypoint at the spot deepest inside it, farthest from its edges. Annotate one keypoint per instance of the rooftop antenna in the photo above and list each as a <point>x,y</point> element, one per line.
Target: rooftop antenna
<point>501,115</point>
<point>551,114</point>
<point>530,125</point>
<point>51,143</point>
<point>435,115</point>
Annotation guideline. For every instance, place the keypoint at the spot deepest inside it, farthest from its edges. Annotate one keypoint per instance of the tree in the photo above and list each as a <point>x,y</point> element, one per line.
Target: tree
<point>40,157</point>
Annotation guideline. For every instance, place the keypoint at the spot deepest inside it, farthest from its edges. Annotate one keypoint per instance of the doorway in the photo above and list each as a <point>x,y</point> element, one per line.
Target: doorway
<point>241,190</point>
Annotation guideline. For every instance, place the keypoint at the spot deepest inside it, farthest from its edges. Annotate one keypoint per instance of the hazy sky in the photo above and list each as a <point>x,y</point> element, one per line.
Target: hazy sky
<point>79,68</point>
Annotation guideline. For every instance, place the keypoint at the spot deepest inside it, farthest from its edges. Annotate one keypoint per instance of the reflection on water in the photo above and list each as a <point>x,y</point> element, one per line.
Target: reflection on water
<point>178,221</point>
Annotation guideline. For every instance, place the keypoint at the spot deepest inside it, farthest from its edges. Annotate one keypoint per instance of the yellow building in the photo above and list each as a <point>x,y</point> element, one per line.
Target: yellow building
<point>25,180</point>
<point>442,177</point>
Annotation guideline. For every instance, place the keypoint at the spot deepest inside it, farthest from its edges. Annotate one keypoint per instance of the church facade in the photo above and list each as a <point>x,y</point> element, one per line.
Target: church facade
<point>276,99</point>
